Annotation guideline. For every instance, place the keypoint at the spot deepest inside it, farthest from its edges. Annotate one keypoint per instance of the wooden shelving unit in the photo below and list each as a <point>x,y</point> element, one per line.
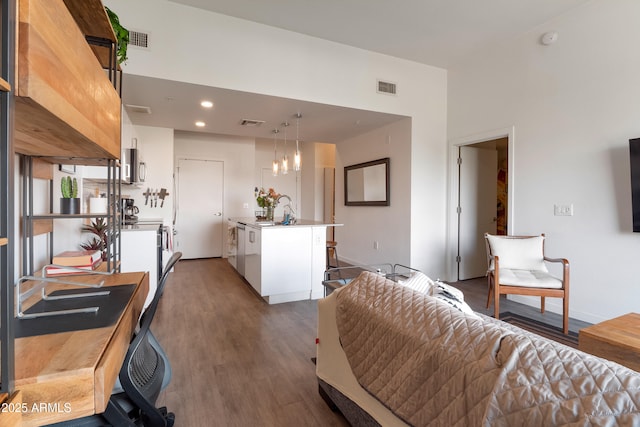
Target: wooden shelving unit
<point>57,105</point>
<point>65,105</point>
<point>8,28</point>
<point>35,224</point>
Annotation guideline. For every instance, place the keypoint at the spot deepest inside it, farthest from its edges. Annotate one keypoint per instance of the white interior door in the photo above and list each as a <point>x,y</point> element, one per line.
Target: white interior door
<point>478,201</point>
<point>199,214</point>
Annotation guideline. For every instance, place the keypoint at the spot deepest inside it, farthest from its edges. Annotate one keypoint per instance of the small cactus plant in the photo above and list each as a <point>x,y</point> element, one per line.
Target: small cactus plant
<point>69,187</point>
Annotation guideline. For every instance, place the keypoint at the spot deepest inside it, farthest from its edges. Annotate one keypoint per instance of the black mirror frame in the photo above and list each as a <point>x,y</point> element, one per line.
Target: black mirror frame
<point>387,201</point>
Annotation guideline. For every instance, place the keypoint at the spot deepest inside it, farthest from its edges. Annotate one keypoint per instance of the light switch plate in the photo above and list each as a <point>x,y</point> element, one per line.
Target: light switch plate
<point>563,210</point>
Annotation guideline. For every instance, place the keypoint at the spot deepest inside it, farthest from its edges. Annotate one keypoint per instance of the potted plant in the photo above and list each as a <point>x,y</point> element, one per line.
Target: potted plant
<point>122,35</point>
<point>70,202</point>
<point>99,228</point>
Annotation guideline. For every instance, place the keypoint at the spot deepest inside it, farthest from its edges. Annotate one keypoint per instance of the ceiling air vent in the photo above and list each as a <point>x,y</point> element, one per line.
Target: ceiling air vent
<point>139,39</point>
<point>138,109</point>
<point>251,123</point>
<point>386,87</point>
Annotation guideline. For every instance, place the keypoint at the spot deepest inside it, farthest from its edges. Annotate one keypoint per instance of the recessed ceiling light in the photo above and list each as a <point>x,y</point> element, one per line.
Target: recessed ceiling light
<point>207,104</point>
<point>200,124</point>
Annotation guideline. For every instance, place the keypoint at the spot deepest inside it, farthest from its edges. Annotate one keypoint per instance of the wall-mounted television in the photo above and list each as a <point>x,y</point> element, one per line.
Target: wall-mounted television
<point>634,158</point>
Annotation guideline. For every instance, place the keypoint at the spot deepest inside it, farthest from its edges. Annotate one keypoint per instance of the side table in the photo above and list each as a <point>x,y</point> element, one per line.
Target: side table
<point>617,339</point>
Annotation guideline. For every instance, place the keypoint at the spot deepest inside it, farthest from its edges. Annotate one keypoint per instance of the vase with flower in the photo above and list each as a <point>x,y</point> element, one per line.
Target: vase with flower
<point>268,200</point>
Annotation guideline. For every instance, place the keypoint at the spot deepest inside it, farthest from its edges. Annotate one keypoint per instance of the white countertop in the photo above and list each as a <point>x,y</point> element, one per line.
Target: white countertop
<point>140,227</point>
<point>251,222</point>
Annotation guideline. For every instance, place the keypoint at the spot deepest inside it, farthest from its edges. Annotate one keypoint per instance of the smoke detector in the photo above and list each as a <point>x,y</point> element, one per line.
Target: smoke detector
<point>549,38</point>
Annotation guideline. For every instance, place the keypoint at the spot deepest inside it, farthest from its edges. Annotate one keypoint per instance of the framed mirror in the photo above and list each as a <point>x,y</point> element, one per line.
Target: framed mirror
<point>367,184</point>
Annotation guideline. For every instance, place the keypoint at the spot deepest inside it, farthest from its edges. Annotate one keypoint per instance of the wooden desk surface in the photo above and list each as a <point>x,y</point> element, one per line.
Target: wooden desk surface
<point>616,339</point>
<point>69,375</point>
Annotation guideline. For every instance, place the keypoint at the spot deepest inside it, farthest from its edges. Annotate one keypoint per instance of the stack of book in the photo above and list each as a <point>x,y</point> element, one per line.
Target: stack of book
<point>83,260</point>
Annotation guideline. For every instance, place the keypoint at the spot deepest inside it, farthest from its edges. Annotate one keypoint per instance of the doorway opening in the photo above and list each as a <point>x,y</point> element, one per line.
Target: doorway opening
<point>482,199</point>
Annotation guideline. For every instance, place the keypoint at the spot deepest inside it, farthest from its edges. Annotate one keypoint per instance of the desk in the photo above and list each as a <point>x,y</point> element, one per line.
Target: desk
<point>616,339</point>
<point>69,375</point>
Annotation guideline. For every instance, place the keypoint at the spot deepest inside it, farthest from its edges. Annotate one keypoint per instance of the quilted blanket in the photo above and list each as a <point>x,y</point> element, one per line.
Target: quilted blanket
<point>431,364</point>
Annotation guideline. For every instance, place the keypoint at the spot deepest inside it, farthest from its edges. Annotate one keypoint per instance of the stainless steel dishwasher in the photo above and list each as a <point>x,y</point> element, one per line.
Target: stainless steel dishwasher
<point>240,255</point>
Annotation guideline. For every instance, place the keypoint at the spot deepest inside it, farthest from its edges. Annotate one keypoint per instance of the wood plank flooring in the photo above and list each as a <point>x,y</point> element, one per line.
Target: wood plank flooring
<point>238,361</point>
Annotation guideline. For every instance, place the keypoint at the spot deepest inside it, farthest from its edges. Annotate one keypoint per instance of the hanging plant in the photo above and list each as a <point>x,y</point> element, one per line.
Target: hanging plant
<point>122,35</point>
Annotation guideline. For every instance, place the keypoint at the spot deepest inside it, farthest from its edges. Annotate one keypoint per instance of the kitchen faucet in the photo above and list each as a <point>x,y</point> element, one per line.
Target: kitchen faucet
<point>291,218</point>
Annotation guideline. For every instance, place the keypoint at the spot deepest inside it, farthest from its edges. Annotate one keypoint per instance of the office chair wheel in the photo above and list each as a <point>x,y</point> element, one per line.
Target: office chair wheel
<point>171,419</point>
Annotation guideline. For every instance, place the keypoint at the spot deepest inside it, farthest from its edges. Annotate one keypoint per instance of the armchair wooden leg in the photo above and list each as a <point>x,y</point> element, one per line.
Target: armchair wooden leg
<point>489,290</point>
<point>565,315</point>
<point>541,304</point>
<point>496,301</point>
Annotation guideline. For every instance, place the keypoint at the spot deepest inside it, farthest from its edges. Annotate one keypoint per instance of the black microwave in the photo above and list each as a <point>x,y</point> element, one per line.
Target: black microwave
<point>133,170</point>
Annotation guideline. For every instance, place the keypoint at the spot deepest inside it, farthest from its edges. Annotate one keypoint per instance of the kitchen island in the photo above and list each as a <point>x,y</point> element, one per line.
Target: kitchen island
<point>281,262</point>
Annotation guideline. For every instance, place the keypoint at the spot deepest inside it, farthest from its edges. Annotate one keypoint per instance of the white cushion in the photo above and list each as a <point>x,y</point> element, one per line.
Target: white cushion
<point>441,287</point>
<point>528,278</point>
<point>452,296</point>
<point>419,282</point>
<point>518,253</point>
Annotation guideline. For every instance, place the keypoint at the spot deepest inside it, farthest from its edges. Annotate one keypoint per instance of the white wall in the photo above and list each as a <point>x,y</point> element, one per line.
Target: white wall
<point>390,225</point>
<point>574,106</point>
<point>155,146</point>
<point>216,50</point>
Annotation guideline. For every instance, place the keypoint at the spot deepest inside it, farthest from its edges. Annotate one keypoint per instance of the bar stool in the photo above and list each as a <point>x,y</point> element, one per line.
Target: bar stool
<point>332,252</point>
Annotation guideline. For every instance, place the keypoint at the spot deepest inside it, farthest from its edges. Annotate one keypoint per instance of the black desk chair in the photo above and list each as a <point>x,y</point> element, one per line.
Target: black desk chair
<point>143,370</point>
<point>141,377</point>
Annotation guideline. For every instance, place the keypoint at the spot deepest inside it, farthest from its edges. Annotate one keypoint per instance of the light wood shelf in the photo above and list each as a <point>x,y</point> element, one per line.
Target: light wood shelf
<point>4,86</point>
<point>65,107</point>
<point>3,241</point>
<point>92,19</point>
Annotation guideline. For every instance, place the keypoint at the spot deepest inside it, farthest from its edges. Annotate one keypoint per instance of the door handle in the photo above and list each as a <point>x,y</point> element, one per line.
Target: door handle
<point>218,214</point>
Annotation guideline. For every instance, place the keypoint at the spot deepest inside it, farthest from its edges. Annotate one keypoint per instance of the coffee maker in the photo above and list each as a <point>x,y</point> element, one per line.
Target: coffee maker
<point>129,212</point>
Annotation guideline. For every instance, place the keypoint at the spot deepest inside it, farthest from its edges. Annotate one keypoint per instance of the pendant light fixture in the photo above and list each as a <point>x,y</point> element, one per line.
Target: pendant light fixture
<point>285,158</point>
<point>297,161</point>
<point>275,164</point>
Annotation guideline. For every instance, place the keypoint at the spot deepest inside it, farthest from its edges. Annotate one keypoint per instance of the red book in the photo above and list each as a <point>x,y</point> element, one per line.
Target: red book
<point>54,271</point>
<point>77,258</point>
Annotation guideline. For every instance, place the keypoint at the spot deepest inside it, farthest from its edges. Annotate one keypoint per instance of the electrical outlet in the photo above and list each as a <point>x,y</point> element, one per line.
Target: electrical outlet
<point>376,246</point>
<point>245,206</point>
<point>563,210</point>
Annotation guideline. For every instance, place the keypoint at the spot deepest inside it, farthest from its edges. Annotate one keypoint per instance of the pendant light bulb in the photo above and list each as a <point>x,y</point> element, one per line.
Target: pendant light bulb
<point>285,158</point>
<point>297,161</point>
<point>275,166</point>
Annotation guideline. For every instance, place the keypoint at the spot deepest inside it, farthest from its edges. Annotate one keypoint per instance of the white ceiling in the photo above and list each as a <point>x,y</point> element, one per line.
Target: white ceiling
<point>433,32</point>
<point>176,105</point>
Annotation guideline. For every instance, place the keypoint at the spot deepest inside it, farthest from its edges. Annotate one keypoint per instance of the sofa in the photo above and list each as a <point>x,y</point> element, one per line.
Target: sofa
<point>397,354</point>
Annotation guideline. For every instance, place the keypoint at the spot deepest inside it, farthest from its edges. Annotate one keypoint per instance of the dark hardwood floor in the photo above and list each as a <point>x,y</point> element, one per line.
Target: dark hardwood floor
<point>238,361</point>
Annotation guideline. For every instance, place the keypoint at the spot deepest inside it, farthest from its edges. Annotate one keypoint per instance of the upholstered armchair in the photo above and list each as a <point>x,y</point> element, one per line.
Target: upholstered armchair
<point>517,265</point>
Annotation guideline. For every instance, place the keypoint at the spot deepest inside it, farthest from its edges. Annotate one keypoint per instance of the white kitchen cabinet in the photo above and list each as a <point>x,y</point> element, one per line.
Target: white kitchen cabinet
<point>284,263</point>
<point>253,257</point>
<point>139,252</point>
